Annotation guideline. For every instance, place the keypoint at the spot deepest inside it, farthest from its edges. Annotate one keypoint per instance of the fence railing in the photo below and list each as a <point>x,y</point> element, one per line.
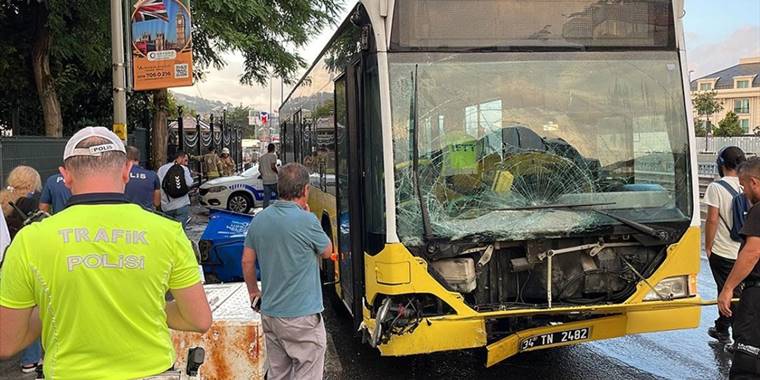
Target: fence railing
<point>195,136</point>
<point>45,154</point>
<point>749,144</point>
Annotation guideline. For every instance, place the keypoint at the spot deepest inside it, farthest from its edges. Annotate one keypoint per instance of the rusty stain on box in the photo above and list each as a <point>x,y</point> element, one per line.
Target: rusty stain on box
<point>235,343</point>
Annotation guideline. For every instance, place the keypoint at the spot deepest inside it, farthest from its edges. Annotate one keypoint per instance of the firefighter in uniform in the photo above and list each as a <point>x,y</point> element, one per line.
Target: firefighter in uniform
<point>227,163</point>
<point>746,273</point>
<point>212,164</point>
<point>91,279</point>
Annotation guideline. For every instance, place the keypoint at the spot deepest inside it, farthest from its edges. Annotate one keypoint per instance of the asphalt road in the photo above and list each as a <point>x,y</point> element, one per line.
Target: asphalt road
<point>686,354</point>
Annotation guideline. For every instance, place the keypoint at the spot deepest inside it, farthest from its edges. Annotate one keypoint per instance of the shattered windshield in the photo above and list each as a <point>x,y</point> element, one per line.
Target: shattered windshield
<point>517,146</point>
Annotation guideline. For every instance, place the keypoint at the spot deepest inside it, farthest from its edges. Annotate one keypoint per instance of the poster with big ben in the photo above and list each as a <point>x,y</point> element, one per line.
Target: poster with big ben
<point>161,44</point>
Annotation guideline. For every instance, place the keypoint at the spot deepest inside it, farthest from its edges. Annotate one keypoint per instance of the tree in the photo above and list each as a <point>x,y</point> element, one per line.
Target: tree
<point>60,50</point>
<point>729,126</point>
<point>705,104</point>
<point>47,38</point>
<point>700,129</point>
<point>238,116</point>
<point>267,34</point>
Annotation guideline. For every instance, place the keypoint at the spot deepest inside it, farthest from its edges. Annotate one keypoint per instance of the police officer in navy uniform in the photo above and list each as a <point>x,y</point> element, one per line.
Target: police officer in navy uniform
<point>746,273</point>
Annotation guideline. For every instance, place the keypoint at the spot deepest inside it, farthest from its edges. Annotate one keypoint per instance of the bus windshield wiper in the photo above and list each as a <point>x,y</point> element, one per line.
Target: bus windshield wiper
<point>657,234</point>
<point>555,206</point>
<point>427,232</point>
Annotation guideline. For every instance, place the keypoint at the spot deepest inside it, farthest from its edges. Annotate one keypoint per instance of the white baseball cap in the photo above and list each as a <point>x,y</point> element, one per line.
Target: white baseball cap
<point>114,144</point>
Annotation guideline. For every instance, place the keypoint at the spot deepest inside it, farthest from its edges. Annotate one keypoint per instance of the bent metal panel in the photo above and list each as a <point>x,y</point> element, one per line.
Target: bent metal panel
<point>161,44</point>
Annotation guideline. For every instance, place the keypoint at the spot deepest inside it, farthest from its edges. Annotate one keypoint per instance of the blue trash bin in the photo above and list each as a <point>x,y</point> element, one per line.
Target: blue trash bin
<point>221,246</point>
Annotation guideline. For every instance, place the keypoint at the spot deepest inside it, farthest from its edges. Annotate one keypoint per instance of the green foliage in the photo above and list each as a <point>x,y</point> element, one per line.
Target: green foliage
<point>238,115</point>
<point>700,129</point>
<point>325,110</point>
<point>198,104</point>
<point>267,33</point>
<point>79,60</point>
<point>729,126</point>
<point>706,104</point>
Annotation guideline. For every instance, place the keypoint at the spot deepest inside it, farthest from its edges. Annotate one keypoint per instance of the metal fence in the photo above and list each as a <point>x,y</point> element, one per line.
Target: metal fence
<point>749,144</point>
<point>45,154</point>
<point>194,136</point>
<point>140,138</point>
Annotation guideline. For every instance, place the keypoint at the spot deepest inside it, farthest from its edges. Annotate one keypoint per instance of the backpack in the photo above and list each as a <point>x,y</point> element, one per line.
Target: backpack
<point>174,184</point>
<point>739,209</point>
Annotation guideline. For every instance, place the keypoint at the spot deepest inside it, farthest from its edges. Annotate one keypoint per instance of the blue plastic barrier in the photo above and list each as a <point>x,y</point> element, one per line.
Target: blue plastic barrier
<point>221,246</point>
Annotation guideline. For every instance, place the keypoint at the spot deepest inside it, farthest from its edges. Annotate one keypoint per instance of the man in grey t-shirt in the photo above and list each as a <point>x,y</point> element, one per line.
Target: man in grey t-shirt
<point>287,240</point>
<point>268,170</point>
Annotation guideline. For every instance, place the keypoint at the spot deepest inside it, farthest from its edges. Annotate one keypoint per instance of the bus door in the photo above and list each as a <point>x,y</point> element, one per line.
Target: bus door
<point>349,163</point>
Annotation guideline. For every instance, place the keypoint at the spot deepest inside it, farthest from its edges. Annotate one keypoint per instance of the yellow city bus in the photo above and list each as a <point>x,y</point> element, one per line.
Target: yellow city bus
<point>511,175</point>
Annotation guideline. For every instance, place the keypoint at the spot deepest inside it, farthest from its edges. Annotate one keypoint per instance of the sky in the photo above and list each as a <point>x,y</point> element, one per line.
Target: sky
<point>718,33</point>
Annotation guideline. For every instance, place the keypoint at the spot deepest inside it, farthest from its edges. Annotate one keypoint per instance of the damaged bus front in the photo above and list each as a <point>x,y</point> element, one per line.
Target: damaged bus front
<point>543,179</point>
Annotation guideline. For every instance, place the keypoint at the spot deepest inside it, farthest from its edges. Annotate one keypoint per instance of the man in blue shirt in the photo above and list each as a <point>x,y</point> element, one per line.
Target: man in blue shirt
<point>288,241</point>
<point>55,195</point>
<point>143,187</point>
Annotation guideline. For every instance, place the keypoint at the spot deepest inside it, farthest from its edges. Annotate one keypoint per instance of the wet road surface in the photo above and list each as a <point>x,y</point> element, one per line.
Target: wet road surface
<point>684,354</point>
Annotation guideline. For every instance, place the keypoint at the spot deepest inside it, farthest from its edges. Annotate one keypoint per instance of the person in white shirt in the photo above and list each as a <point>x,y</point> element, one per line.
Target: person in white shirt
<point>720,248</point>
<point>176,208</point>
<point>268,170</point>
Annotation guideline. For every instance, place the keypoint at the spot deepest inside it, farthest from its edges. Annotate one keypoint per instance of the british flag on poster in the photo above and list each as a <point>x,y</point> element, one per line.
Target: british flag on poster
<point>151,10</point>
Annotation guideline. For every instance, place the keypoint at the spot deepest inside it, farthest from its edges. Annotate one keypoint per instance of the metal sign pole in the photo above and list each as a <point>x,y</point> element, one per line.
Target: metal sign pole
<point>119,77</point>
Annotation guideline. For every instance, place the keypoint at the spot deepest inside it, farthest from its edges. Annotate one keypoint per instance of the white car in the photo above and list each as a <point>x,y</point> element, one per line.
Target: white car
<point>239,193</point>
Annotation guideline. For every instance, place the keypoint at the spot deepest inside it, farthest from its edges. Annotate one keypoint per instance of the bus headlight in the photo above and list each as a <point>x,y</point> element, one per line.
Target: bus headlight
<point>672,288</point>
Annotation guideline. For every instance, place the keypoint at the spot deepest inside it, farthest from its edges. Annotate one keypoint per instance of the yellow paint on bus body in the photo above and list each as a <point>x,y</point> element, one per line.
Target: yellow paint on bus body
<point>395,271</point>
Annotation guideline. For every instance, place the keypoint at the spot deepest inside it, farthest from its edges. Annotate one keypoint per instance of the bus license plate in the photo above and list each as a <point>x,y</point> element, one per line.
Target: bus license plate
<point>555,338</point>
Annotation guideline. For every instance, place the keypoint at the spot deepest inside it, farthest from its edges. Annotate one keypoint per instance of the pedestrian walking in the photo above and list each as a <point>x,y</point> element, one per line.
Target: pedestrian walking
<point>746,273</point>
<point>720,247</point>
<point>143,187</point>
<point>288,240</point>
<point>176,182</point>
<point>228,164</point>
<point>268,171</point>
<point>92,279</point>
<point>55,194</point>
<point>23,190</point>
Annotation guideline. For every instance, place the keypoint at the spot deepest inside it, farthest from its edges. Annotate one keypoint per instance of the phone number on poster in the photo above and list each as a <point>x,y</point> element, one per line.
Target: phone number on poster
<point>158,74</point>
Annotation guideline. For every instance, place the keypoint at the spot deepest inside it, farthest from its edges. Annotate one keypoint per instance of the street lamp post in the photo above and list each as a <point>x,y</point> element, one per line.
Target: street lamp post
<point>119,76</point>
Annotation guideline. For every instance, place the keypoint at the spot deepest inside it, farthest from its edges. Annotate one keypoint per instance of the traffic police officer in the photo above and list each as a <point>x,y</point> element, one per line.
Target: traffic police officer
<point>746,271</point>
<point>91,280</point>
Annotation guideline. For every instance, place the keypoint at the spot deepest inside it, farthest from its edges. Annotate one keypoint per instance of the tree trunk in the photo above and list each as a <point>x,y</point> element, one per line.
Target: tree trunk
<point>160,127</point>
<point>43,77</point>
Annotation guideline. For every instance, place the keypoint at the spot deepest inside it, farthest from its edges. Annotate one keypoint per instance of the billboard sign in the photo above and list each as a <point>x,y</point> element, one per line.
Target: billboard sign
<point>161,44</point>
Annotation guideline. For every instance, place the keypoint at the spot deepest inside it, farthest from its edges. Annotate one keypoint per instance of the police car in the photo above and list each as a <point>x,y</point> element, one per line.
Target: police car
<point>239,193</point>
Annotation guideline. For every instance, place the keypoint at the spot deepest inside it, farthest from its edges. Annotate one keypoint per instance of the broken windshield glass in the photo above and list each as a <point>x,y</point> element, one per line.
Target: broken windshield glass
<point>508,143</point>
